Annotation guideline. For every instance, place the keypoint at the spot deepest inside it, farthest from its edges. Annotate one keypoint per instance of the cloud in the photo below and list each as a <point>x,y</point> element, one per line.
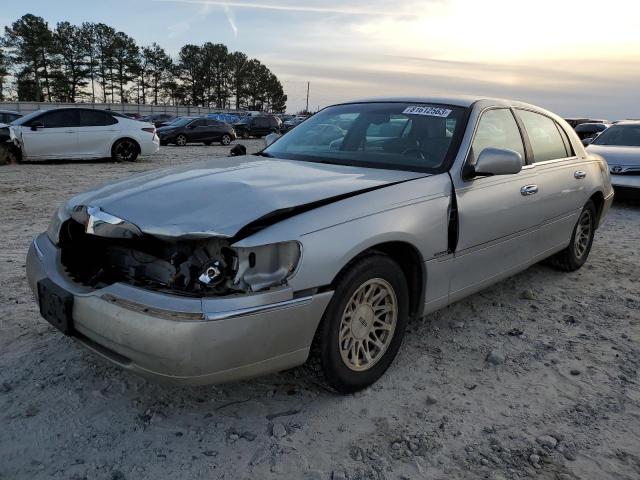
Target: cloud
<point>325,8</point>
<point>178,28</point>
<point>231,18</point>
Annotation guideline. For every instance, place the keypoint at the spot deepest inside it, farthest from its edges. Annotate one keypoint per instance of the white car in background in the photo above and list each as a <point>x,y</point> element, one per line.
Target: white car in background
<point>82,133</point>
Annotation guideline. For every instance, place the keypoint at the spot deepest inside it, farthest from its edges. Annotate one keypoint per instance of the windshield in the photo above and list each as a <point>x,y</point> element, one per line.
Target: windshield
<point>402,136</point>
<point>621,135</point>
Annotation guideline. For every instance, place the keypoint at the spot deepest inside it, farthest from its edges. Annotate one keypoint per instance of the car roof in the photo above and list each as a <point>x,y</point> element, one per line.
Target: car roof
<point>628,122</point>
<point>455,100</point>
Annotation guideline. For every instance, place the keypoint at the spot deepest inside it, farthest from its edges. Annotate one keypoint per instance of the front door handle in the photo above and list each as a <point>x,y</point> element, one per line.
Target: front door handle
<point>529,190</point>
<point>579,174</point>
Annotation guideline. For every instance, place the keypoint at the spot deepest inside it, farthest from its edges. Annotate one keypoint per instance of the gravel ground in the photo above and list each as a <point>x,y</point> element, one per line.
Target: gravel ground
<point>536,377</point>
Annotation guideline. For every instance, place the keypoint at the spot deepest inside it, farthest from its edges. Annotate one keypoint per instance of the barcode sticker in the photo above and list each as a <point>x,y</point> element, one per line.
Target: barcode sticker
<point>430,111</point>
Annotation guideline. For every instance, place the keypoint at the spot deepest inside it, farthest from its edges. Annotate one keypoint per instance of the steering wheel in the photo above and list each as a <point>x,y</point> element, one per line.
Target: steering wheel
<point>420,153</point>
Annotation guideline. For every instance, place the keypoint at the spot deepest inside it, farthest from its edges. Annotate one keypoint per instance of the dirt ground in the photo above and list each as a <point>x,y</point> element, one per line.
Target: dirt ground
<point>536,377</point>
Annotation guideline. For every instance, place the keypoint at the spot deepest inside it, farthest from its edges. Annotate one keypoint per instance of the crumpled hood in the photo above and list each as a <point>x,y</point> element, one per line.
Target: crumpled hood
<point>623,156</point>
<point>220,197</point>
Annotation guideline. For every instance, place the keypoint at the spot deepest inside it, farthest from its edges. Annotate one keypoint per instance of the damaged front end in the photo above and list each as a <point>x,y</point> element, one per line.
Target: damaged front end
<point>99,249</point>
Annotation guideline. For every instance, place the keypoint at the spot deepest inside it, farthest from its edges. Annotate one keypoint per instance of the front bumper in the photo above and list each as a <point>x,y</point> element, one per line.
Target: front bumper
<point>185,340</point>
<point>625,181</point>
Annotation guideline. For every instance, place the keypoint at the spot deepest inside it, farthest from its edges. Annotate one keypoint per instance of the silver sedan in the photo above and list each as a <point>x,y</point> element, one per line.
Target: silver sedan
<point>620,147</point>
<point>318,247</point>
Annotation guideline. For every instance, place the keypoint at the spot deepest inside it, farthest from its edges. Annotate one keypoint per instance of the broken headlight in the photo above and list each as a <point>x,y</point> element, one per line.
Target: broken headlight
<point>61,216</point>
<point>266,266</point>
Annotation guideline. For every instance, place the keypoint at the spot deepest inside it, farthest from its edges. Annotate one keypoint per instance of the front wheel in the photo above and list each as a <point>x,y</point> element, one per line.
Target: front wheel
<point>125,150</point>
<point>576,254</point>
<point>225,140</point>
<point>363,326</point>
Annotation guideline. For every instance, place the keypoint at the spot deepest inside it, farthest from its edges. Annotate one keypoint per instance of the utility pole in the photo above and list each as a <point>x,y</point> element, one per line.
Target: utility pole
<point>307,109</point>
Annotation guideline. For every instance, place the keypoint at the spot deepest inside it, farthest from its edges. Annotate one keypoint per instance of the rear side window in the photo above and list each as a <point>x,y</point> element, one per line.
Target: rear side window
<point>59,119</point>
<point>545,138</point>
<point>498,129</point>
<point>261,122</point>
<point>213,123</point>
<point>199,123</point>
<point>95,118</point>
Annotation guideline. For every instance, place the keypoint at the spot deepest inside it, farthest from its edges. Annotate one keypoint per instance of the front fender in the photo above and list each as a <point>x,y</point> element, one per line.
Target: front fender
<point>414,212</point>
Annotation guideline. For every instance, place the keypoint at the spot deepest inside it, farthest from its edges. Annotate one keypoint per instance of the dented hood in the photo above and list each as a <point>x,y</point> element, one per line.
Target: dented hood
<point>220,197</point>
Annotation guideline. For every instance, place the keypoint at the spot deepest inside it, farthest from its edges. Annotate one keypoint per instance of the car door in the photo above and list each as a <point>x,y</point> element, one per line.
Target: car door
<point>213,130</point>
<point>497,214</point>
<point>197,130</point>
<point>96,133</point>
<point>260,126</point>
<point>563,179</point>
<point>51,135</point>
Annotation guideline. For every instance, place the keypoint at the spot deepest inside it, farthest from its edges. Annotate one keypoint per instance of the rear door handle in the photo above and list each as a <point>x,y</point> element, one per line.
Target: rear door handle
<point>579,174</point>
<point>529,190</point>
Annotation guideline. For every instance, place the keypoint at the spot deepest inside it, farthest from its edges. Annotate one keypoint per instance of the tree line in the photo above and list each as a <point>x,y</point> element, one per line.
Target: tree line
<point>94,62</point>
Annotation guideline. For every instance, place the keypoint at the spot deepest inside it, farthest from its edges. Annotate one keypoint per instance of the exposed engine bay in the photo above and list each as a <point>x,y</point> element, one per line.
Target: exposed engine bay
<point>203,267</point>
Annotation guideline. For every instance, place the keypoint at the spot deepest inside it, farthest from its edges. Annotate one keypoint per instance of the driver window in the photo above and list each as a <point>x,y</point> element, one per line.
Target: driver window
<point>497,129</point>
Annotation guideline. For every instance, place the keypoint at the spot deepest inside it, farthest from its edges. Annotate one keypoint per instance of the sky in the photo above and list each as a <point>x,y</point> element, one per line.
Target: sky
<point>574,57</point>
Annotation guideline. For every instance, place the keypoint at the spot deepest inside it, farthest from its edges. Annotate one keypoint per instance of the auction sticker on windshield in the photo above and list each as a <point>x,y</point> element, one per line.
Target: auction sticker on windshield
<point>430,111</point>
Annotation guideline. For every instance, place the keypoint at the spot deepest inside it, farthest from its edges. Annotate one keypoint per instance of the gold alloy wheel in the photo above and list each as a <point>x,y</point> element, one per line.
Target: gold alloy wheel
<point>368,324</point>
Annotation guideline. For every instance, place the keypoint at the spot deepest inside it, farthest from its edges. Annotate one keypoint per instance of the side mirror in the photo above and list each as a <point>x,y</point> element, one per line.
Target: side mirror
<point>587,141</point>
<point>272,137</point>
<point>191,127</point>
<point>497,161</point>
<point>36,125</point>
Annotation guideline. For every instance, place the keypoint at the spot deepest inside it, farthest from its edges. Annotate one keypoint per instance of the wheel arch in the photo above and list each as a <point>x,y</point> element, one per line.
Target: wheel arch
<point>598,200</point>
<point>136,143</point>
<point>408,257</point>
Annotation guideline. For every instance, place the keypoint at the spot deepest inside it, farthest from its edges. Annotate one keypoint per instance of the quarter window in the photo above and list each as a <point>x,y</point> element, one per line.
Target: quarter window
<point>546,142</point>
<point>498,129</point>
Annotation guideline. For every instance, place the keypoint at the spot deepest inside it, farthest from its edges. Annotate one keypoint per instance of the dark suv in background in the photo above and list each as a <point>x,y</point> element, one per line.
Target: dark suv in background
<point>196,130</point>
<point>258,126</point>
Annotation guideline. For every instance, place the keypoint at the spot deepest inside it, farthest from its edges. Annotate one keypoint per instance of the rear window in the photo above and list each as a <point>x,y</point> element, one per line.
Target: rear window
<point>95,118</point>
<point>544,136</point>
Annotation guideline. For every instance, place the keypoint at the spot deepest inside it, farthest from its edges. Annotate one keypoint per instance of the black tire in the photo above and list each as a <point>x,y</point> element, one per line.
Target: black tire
<point>181,140</point>
<point>244,135</point>
<point>326,350</point>
<point>225,140</point>
<point>125,150</point>
<point>164,144</point>
<point>207,143</point>
<point>575,255</point>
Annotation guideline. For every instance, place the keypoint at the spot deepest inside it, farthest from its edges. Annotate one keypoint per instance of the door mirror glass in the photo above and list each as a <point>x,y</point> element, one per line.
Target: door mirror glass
<point>272,137</point>
<point>36,125</point>
<point>498,161</point>
<point>587,141</point>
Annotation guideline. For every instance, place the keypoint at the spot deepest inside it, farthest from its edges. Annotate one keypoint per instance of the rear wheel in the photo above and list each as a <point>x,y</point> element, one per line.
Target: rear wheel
<point>225,140</point>
<point>125,150</point>
<point>181,140</point>
<point>576,254</point>
<point>363,325</point>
